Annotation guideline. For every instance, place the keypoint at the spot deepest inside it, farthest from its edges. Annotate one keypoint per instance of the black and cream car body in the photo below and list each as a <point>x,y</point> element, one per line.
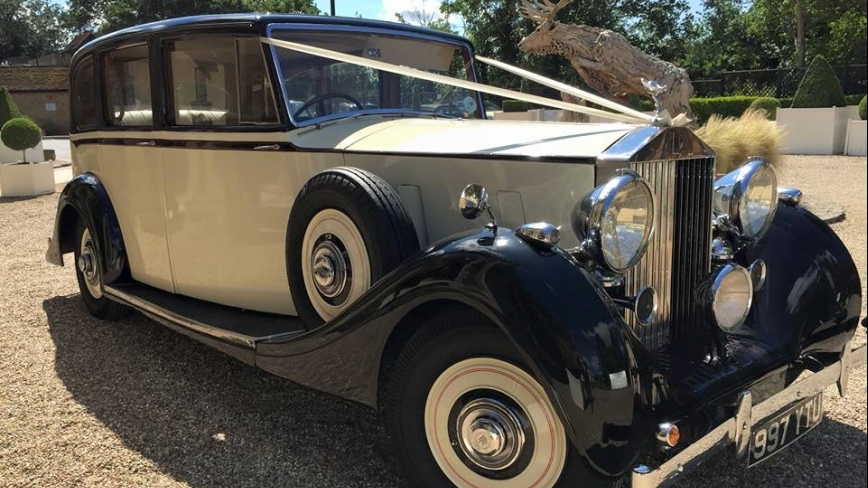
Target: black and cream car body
<point>285,189</point>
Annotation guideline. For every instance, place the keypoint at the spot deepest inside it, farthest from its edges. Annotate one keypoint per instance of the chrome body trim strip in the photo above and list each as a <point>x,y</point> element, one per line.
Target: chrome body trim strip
<point>737,429</point>
<point>169,317</point>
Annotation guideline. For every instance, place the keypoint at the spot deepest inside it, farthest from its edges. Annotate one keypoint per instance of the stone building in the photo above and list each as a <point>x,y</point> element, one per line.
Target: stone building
<point>41,94</point>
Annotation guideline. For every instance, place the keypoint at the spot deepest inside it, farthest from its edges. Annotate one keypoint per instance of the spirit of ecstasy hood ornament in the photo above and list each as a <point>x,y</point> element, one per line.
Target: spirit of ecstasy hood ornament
<point>662,117</point>
<point>656,90</point>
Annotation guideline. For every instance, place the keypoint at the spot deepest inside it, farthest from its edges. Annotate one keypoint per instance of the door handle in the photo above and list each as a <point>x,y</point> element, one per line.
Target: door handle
<point>268,147</point>
<point>147,143</point>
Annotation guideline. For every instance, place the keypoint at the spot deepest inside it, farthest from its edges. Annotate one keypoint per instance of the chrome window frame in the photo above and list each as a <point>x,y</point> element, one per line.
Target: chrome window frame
<point>364,30</point>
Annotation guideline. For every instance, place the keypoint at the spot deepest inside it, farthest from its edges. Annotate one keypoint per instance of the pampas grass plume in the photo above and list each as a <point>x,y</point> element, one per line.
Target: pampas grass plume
<point>736,139</point>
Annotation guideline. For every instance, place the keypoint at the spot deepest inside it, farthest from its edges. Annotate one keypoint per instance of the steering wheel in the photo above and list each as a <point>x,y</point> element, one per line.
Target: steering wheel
<point>318,100</point>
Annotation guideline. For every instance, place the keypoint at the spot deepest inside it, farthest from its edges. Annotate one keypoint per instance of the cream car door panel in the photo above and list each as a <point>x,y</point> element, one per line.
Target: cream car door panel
<point>227,217</point>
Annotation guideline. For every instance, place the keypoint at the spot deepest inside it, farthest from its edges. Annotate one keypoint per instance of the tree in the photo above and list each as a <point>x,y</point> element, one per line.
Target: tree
<point>424,17</point>
<point>802,29</point>
<point>30,28</point>
<point>724,41</point>
<point>106,16</point>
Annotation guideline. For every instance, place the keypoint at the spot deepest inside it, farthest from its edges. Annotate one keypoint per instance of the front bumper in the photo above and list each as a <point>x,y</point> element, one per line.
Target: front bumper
<point>737,430</point>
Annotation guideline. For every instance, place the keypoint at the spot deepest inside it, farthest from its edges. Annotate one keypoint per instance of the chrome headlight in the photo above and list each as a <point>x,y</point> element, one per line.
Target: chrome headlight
<point>615,221</point>
<point>749,196</point>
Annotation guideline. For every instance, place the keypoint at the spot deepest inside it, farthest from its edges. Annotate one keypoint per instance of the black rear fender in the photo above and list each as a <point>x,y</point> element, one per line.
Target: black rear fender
<point>85,198</point>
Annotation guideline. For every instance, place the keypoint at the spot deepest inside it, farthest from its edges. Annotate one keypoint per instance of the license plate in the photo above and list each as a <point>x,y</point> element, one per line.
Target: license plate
<point>773,436</point>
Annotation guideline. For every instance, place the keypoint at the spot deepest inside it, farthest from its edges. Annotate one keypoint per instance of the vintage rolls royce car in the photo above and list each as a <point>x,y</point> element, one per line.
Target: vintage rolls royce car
<point>290,191</point>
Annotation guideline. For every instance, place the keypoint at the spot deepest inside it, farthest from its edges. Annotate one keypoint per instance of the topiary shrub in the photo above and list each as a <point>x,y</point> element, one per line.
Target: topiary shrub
<point>515,106</point>
<point>786,102</point>
<point>20,134</point>
<point>768,105</point>
<point>863,109</point>
<point>8,109</point>
<point>820,87</point>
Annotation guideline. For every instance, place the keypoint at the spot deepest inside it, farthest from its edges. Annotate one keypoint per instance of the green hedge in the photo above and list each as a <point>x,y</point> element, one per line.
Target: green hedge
<point>863,108</point>
<point>8,109</point>
<point>820,87</point>
<point>704,108</point>
<point>853,99</point>
<point>515,106</point>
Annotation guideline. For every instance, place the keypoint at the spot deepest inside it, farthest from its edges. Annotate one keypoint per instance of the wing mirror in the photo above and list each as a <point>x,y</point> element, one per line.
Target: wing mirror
<point>474,202</point>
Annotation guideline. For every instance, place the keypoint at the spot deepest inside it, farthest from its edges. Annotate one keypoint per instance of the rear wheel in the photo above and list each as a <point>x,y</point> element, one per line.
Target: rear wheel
<point>464,411</point>
<point>88,271</point>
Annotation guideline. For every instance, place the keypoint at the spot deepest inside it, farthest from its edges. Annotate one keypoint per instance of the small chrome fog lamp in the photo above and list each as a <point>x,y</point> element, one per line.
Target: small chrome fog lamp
<point>749,196</point>
<point>730,296</point>
<point>615,221</point>
<point>645,306</point>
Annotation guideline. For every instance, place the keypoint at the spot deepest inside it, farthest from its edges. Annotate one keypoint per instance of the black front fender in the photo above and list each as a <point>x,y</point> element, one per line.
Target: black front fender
<point>86,198</point>
<point>812,299</point>
<point>555,313</point>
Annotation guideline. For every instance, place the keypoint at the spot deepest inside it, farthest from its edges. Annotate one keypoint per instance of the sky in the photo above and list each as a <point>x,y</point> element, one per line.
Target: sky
<point>386,9</point>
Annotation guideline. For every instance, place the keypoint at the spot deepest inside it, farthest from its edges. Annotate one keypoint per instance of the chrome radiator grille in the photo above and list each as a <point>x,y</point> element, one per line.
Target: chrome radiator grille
<point>679,256</point>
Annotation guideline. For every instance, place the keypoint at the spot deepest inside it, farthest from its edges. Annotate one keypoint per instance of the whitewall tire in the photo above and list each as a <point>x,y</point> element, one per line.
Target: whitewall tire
<point>464,411</point>
<point>507,431</point>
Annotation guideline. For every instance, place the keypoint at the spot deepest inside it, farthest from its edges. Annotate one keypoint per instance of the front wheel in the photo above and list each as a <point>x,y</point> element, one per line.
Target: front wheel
<point>464,411</point>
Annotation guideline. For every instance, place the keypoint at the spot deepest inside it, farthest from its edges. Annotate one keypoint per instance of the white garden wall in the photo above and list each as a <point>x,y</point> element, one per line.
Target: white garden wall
<point>857,138</point>
<point>815,130</point>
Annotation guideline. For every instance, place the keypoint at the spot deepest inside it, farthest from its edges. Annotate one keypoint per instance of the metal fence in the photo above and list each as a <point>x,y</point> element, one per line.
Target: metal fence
<point>779,83</point>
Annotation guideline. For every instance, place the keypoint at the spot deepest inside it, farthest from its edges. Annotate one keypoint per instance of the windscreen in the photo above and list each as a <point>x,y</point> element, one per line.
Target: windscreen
<point>319,88</point>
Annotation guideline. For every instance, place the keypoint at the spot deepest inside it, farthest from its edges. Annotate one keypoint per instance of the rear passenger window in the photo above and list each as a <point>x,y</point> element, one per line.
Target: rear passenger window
<point>84,106</point>
<point>220,82</point>
<point>128,87</point>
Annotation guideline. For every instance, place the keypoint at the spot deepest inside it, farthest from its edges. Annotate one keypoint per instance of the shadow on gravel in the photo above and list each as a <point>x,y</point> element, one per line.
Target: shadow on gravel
<point>18,199</point>
<point>207,419</point>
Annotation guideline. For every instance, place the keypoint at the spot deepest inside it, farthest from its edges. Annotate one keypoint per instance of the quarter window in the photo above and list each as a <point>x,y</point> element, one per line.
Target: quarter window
<point>220,82</point>
<point>84,95</point>
<point>128,87</point>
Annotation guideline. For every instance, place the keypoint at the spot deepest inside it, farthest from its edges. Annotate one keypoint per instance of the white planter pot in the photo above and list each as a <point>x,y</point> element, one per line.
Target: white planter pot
<point>857,138</point>
<point>25,180</point>
<point>815,130</point>
<point>9,156</point>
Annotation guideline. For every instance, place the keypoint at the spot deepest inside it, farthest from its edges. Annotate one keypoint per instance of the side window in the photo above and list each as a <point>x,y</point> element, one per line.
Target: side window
<point>128,87</point>
<point>219,82</point>
<point>84,93</point>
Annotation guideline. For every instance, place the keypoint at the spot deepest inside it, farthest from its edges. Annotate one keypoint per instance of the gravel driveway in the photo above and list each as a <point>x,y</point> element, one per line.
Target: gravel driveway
<point>85,403</point>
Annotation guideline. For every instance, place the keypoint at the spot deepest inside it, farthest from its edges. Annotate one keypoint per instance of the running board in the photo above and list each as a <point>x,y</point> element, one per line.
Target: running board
<point>208,322</point>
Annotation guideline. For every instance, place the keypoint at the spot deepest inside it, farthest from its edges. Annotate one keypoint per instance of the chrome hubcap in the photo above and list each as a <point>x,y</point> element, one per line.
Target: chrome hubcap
<point>330,268</point>
<point>88,266</point>
<point>490,434</point>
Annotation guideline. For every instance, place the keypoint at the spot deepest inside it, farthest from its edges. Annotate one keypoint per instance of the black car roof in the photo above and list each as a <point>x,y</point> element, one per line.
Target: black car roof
<point>251,22</point>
